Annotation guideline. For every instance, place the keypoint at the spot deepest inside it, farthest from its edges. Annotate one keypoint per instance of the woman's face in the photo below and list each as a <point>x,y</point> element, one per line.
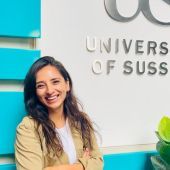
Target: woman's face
<point>51,88</point>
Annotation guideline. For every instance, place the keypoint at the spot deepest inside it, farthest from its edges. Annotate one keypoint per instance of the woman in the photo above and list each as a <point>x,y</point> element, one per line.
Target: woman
<point>55,135</point>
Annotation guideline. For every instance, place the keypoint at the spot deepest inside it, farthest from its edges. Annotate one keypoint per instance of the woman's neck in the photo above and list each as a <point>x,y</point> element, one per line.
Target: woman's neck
<point>58,118</point>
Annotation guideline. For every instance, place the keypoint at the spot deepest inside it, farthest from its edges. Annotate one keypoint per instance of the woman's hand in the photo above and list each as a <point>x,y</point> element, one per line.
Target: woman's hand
<point>87,153</point>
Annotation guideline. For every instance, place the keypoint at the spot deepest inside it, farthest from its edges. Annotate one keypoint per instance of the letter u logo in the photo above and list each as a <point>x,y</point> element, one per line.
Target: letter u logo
<point>143,5</point>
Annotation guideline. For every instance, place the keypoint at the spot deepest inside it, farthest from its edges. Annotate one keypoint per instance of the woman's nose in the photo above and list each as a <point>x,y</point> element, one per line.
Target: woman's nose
<point>50,89</point>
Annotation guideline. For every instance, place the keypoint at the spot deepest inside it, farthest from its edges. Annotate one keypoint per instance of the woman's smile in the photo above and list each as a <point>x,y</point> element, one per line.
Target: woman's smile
<point>52,99</point>
<point>51,88</point>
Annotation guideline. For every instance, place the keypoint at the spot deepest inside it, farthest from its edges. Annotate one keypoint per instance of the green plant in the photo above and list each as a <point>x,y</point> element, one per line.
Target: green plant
<point>163,146</point>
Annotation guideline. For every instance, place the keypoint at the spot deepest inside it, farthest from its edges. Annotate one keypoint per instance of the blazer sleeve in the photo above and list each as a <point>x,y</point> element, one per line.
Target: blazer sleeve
<point>95,162</point>
<point>28,152</point>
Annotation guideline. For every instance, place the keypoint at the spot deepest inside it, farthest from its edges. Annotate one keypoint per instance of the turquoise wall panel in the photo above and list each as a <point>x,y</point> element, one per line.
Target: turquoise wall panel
<point>8,167</point>
<point>14,63</point>
<point>20,18</point>
<point>129,161</point>
<point>123,161</point>
<point>12,112</point>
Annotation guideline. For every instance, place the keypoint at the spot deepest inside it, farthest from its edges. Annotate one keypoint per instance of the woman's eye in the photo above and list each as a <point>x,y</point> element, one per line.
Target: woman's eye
<point>40,86</point>
<point>56,82</point>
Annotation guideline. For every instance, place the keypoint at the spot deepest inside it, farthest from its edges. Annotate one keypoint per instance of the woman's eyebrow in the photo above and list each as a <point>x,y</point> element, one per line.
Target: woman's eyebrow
<point>55,79</point>
<point>38,82</point>
<point>50,80</point>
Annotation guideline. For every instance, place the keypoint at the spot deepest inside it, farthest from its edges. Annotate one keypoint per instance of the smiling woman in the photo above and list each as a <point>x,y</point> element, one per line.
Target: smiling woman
<point>56,134</point>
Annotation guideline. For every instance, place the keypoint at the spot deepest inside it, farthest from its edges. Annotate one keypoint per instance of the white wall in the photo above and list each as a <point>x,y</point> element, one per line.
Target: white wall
<point>127,108</point>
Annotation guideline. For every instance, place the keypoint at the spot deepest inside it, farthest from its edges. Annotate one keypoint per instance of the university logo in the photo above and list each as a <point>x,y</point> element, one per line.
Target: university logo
<point>143,6</point>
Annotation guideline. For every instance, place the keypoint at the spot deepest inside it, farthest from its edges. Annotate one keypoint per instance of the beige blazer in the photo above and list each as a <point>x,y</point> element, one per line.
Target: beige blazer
<point>31,152</point>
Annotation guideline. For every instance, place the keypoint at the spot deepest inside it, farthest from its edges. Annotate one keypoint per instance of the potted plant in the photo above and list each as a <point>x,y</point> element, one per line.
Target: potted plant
<point>162,161</point>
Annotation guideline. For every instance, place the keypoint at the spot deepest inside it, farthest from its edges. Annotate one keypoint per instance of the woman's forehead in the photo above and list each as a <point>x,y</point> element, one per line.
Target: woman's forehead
<point>48,72</point>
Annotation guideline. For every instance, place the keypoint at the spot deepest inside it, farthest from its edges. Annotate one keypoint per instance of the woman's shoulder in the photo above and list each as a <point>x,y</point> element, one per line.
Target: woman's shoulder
<point>27,123</point>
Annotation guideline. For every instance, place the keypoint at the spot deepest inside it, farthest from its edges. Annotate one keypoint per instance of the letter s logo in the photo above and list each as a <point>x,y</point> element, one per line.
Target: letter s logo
<point>143,5</point>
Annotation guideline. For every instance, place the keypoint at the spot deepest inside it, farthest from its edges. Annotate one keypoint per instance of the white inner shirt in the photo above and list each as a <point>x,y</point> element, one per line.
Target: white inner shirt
<point>67,141</point>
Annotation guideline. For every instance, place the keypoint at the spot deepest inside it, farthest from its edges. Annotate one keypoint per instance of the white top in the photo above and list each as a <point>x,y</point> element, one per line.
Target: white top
<point>67,141</point>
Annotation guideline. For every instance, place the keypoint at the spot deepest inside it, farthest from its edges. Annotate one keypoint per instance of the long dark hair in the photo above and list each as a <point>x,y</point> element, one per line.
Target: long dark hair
<point>39,112</point>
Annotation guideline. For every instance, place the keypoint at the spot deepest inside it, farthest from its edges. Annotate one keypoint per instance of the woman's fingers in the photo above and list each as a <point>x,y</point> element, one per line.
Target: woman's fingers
<point>87,153</point>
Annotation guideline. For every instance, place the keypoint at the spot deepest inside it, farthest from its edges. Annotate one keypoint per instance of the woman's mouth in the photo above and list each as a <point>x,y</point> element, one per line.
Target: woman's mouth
<point>51,99</point>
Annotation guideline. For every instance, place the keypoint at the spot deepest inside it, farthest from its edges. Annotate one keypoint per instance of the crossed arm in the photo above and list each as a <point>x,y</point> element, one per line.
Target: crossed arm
<point>76,166</point>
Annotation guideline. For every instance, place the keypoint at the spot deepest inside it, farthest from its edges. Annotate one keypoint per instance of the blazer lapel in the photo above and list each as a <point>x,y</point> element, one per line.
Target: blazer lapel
<point>52,158</point>
<point>77,139</point>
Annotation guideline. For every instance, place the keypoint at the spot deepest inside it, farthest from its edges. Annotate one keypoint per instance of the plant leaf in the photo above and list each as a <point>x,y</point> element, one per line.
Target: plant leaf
<point>164,151</point>
<point>164,129</point>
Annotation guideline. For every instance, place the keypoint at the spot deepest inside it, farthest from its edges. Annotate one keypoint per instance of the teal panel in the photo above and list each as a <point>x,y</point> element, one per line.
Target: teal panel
<point>123,161</point>
<point>14,63</point>
<point>20,18</point>
<point>129,161</point>
<point>8,167</point>
<point>12,112</point>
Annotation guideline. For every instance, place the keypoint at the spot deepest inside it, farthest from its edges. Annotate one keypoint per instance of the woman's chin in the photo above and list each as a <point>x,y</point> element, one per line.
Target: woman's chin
<point>54,106</point>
